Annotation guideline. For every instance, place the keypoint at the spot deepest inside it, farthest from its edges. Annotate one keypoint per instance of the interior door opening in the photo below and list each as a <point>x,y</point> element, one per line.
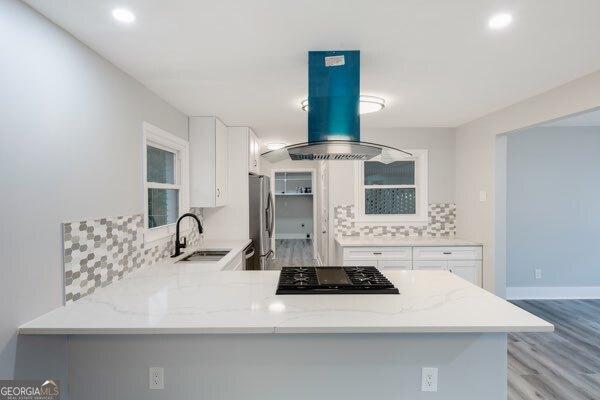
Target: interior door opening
<point>295,216</point>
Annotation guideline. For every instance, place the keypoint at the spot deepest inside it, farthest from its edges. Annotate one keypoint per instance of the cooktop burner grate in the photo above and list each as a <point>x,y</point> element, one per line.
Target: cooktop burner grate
<point>333,280</point>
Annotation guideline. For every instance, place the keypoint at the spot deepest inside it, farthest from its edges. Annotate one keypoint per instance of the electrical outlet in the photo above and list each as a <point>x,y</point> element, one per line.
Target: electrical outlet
<point>429,379</point>
<point>482,196</point>
<point>156,378</point>
<point>538,273</point>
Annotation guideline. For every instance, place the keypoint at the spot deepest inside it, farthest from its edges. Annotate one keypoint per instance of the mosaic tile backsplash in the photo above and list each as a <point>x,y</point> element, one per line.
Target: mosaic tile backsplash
<point>442,223</point>
<point>99,252</point>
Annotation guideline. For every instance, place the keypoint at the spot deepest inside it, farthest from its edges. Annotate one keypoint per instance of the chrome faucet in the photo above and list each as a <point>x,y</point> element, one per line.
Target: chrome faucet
<point>178,244</point>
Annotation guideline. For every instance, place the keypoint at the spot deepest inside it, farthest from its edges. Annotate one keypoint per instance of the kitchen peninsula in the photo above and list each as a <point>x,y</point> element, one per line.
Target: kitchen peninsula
<point>227,332</point>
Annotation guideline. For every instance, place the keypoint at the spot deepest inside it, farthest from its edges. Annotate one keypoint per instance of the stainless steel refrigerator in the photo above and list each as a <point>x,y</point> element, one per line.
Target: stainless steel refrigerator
<point>262,220</point>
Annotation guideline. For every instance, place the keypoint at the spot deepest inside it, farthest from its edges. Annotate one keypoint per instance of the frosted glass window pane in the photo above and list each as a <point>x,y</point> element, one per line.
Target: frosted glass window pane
<point>390,201</point>
<point>163,207</point>
<point>161,165</point>
<point>395,173</point>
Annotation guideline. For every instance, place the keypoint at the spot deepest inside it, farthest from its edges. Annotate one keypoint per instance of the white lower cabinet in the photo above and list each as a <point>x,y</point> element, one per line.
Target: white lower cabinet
<point>467,269</point>
<point>394,264</point>
<point>360,263</point>
<point>381,264</point>
<point>234,265</point>
<point>464,261</point>
<point>431,265</point>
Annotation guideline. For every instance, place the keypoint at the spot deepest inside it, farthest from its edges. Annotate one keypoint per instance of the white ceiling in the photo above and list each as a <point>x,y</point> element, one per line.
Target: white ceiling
<point>591,118</point>
<point>435,62</point>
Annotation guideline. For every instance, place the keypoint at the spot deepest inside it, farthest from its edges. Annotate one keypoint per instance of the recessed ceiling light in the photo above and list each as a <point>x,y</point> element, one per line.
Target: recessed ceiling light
<point>123,15</point>
<point>500,21</point>
<point>275,146</point>
<point>366,105</point>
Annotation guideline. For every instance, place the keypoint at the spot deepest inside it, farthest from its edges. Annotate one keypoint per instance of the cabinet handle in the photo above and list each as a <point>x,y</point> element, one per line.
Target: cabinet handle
<point>447,252</point>
<point>255,163</point>
<point>376,253</point>
<point>218,192</point>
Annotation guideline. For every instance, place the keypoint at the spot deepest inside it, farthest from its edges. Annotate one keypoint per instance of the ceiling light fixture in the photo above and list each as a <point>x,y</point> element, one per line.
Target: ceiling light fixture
<point>367,104</point>
<point>123,15</point>
<point>275,146</point>
<point>500,21</point>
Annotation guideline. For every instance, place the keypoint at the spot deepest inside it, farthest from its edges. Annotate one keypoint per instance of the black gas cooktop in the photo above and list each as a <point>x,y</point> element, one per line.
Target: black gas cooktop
<point>333,280</point>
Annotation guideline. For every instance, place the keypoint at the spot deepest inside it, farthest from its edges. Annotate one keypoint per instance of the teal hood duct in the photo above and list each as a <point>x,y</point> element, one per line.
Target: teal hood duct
<point>333,94</point>
<point>333,113</point>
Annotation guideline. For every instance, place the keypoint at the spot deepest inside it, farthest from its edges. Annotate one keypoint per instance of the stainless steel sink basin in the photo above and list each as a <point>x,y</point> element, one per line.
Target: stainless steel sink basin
<point>205,255</point>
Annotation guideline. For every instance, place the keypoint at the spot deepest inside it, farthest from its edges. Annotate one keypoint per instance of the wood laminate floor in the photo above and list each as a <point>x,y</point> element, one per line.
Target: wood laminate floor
<point>563,365</point>
<point>292,252</point>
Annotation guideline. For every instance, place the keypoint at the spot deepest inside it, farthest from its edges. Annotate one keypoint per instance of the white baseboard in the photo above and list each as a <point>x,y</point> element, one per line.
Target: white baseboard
<point>559,292</point>
<point>291,236</point>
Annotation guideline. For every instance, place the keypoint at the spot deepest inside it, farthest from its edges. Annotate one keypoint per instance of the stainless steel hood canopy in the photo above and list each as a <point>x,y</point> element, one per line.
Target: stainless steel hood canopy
<point>333,117</point>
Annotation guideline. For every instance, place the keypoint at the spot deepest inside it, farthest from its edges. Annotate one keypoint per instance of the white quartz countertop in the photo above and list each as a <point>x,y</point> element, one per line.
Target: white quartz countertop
<point>350,241</point>
<point>188,299</point>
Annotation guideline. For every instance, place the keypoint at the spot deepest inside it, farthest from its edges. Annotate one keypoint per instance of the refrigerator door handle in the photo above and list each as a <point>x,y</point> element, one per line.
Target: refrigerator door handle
<point>269,254</point>
<point>269,215</point>
<point>249,253</point>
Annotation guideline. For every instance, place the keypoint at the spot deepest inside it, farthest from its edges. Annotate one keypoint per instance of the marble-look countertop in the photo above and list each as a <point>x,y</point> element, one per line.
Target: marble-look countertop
<point>353,241</point>
<point>189,299</point>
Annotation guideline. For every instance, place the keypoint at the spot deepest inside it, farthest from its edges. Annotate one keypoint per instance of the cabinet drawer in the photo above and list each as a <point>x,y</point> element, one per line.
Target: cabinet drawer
<point>394,264</point>
<point>447,253</point>
<point>377,253</point>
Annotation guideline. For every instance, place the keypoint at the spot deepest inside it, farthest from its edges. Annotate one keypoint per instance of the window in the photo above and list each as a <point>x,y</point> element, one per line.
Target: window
<point>393,192</point>
<point>165,182</point>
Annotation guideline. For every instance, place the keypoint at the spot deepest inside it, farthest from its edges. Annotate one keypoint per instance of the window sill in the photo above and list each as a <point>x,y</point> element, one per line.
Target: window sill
<point>162,234</point>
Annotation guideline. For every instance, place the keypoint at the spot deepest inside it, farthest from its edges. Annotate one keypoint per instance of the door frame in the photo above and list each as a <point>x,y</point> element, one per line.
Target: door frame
<point>313,173</point>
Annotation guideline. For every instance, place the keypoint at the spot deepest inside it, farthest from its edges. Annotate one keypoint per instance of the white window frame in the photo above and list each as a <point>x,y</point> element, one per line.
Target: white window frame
<point>159,138</point>
<point>421,217</point>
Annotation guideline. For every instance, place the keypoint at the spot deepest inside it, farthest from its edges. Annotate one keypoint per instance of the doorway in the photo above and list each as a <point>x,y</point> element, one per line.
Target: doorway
<point>546,236</point>
<point>295,217</point>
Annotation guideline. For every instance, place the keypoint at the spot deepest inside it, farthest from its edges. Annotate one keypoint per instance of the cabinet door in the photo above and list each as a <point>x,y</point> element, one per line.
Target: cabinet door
<point>469,270</point>
<point>430,265</point>
<point>221,163</point>
<point>394,264</point>
<point>360,263</point>
<point>253,152</point>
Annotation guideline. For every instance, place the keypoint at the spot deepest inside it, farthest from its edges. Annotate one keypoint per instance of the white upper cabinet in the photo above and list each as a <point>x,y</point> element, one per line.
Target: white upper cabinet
<point>253,152</point>
<point>209,162</point>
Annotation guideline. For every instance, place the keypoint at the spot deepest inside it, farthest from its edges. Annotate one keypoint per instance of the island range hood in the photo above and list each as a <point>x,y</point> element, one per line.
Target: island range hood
<point>333,113</point>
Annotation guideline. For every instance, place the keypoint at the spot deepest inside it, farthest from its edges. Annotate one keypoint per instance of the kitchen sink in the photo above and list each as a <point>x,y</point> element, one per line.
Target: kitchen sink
<point>205,255</point>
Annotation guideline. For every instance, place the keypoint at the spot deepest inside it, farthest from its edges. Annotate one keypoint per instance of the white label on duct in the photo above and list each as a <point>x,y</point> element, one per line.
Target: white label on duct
<point>334,61</point>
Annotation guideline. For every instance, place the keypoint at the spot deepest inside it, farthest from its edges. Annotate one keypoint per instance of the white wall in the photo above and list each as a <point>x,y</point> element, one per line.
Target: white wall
<point>291,212</point>
<point>475,161</point>
<point>553,208</point>
<point>70,148</point>
<point>441,145</point>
